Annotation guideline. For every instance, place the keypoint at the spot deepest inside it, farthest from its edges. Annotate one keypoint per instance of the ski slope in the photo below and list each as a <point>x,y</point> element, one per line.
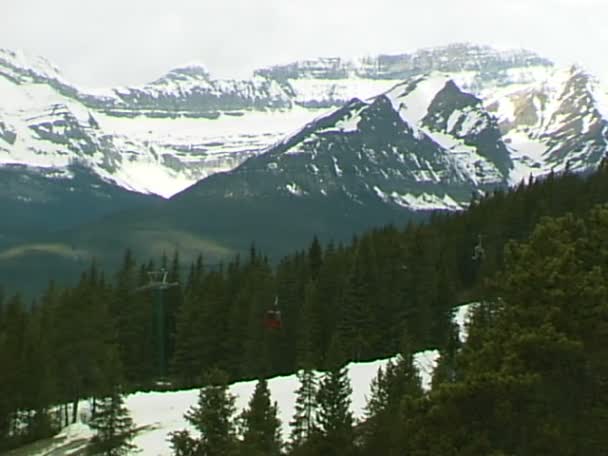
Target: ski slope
<point>156,414</point>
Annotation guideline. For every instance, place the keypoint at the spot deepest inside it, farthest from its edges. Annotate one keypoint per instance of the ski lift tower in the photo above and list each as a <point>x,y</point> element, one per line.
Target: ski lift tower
<point>158,284</point>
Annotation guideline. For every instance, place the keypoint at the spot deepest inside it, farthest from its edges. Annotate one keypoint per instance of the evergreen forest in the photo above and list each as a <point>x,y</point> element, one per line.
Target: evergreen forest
<point>531,378</point>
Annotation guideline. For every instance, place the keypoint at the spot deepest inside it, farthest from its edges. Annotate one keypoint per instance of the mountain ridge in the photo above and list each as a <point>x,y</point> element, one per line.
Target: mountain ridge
<point>147,127</point>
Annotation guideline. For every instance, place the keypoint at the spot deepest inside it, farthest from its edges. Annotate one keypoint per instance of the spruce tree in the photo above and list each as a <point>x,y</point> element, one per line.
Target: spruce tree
<point>39,383</point>
<point>213,418</point>
<point>334,418</point>
<point>446,370</point>
<point>13,370</point>
<point>392,391</point>
<point>261,427</point>
<point>113,425</point>
<point>303,423</point>
<point>315,258</point>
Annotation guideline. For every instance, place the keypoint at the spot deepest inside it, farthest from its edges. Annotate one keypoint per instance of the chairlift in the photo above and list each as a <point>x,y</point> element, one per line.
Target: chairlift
<point>158,280</point>
<point>478,251</point>
<point>272,319</point>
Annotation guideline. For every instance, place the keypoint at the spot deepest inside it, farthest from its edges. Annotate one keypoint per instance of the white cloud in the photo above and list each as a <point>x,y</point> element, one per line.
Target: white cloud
<point>131,41</point>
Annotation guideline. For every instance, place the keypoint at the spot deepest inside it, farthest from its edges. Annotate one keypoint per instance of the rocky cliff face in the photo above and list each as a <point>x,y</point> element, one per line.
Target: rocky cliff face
<point>555,123</point>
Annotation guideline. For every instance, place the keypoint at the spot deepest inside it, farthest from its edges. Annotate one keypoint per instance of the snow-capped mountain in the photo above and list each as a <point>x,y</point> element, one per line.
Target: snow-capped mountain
<point>424,144</point>
<point>43,124</point>
<point>189,91</point>
<point>558,122</point>
<point>333,81</point>
<point>163,136</point>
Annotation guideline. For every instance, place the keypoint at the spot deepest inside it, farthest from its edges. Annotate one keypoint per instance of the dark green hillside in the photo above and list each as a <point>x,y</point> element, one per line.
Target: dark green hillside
<point>37,205</point>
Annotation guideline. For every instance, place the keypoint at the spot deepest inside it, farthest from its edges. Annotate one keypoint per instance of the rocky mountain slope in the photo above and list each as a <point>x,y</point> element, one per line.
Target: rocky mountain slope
<point>163,136</point>
<point>401,147</point>
<point>555,123</point>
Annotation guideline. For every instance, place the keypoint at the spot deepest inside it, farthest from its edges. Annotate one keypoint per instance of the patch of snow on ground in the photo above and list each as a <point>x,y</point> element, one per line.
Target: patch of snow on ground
<point>337,168</point>
<point>383,196</point>
<point>349,125</point>
<point>425,201</point>
<point>161,413</point>
<point>588,122</point>
<point>461,315</point>
<point>150,178</point>
<point>74,437</point>
<point>294,189</point>
<point>426,361</point>
<point>456,113</point>
<point>527,156</point>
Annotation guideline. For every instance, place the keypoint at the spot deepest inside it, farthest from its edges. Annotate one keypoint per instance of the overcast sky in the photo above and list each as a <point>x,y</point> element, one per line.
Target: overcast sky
<point>116,42</point>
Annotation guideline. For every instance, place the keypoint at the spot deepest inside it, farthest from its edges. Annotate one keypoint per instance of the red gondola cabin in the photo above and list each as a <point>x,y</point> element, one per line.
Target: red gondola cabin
<point>272,320</point>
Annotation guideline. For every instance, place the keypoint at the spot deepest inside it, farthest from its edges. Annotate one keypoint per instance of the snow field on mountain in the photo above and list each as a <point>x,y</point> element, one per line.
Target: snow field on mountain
<point>461,315</point>
<point>143,146</point>
<point>527,156</point>
<point>166,155</point>
<point>183,130</point>
<point>421,202</point>
<point>465,159</point>
<point>319,90</point>
<point>412,103</point>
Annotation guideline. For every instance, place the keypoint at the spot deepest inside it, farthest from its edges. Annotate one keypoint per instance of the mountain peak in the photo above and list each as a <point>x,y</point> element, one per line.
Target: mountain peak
<point>21,63</point>
<point>411,98</point>
<point>188,71</point>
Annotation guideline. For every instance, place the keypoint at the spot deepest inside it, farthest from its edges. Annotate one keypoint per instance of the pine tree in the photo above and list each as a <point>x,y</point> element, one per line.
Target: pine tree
<point>213,418</point>
<point>173,301</point>
<point>132,311</point>
<point>303,423</point>
<point>261,427</point>
<point>357,323</point>
<point>446,370</point>
<point>315,258</point>
<point>113,425</point>
<point>39,383</point>
<point>307,331</point>
<point>392,391</point>
<point>13,370</point>
<point>334,418</point>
